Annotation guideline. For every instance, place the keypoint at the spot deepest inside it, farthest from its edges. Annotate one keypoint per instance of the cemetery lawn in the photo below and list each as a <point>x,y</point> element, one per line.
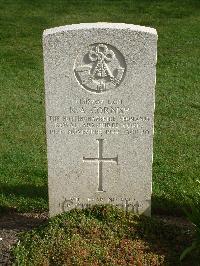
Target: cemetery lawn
<point>23,163</point>
<point>103,235</point>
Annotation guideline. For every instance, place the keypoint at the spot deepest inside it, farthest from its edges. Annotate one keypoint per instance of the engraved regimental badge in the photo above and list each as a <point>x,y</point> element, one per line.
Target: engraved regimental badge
<point>100,67</point>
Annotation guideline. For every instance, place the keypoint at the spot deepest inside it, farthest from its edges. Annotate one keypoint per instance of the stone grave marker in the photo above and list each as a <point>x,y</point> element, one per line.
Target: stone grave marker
<point>99,89</point>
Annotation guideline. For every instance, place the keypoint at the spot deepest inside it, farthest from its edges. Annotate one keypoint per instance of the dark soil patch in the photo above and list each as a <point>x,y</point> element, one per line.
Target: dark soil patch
<point>10,225</point>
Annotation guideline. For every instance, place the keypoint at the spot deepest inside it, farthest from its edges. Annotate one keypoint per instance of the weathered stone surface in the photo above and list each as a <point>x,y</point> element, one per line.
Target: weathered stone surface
<point>99,86</point>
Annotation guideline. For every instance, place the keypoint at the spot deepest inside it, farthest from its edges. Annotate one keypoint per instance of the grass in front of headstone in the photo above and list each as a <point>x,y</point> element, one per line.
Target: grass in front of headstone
<point>23,164</point>
<point>102,235</point>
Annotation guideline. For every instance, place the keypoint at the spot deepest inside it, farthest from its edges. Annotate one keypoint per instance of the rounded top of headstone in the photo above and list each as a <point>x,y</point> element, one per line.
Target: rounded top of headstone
<point>100,25</point>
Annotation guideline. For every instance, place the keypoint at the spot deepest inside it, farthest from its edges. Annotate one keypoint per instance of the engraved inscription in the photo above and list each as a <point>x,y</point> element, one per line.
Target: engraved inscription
<point>100,67</point>
<point>100,159</point>
<point>97,125</point>
<point>86,116</point>
<point>127,204</point>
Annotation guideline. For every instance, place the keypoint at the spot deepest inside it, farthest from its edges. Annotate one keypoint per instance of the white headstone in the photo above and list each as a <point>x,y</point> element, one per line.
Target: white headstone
<point>99,86</point>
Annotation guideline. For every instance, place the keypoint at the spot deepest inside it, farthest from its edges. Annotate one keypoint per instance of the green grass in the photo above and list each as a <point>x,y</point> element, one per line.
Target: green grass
<point>103,235</point>
<point>23,163</point>
<point>194,217</point>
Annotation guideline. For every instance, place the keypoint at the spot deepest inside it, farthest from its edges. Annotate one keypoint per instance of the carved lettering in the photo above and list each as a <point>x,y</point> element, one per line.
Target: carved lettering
<point>76,203</point>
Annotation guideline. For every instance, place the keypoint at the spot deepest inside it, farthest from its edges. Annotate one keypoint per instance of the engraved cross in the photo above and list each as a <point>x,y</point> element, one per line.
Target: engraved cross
<point>100,159</point>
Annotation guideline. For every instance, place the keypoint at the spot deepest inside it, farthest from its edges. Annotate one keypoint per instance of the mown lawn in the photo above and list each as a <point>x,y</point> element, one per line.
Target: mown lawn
<point>23,163</point>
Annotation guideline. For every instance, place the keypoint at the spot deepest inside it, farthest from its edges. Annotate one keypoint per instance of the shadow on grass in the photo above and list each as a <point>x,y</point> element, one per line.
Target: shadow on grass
<point>25,190</point>
<point>23,198</point>
<point>163,206</point>
<point>168,239</point>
